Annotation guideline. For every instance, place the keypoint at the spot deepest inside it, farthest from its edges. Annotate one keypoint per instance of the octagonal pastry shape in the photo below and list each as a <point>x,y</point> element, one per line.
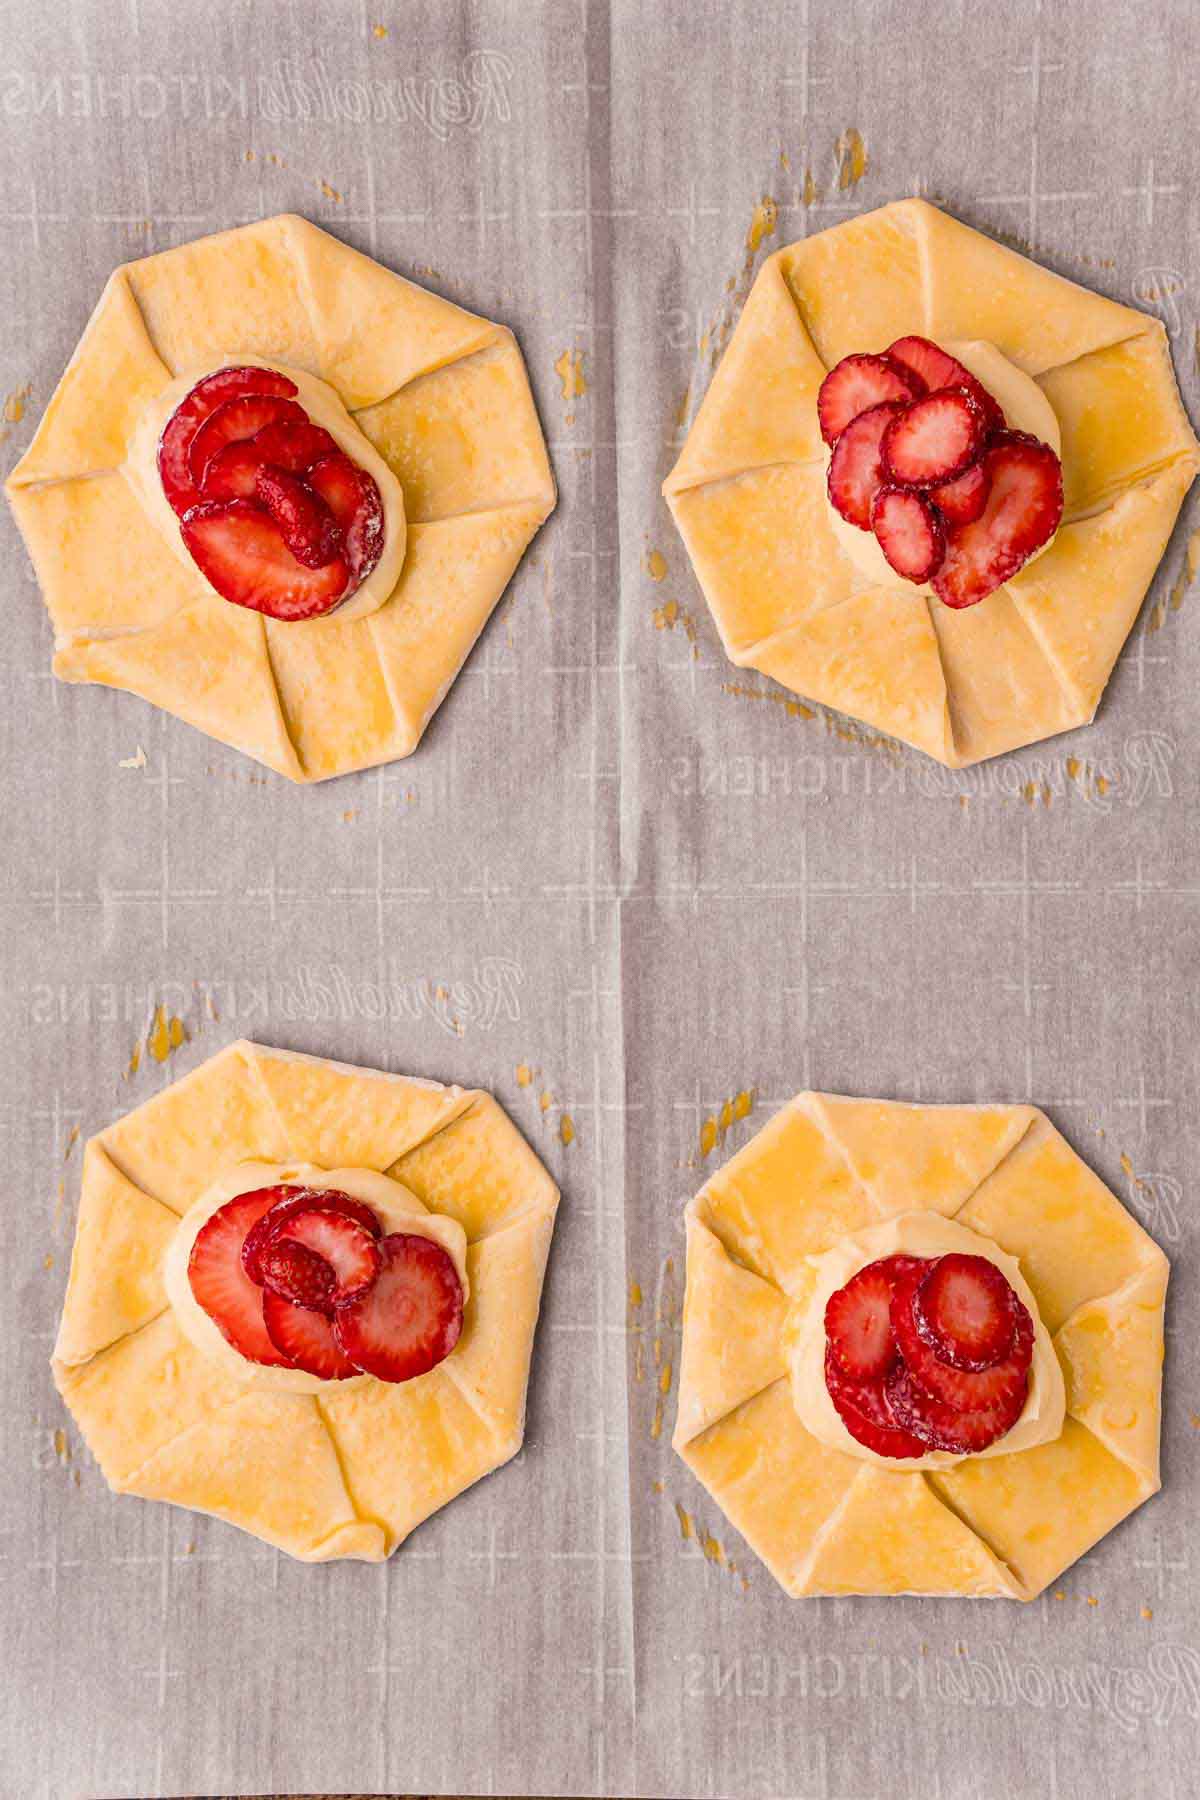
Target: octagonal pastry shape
<point>320,1469</point>
<point>748,492</point>
<point>440,394</point>
<point>1001,1524</point>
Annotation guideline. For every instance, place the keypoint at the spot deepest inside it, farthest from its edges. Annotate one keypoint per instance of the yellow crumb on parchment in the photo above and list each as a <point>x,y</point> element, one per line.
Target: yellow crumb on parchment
<point>763,221</point>
<point>569,369</point>
<point>795,709</point>
<point>13,410</point>
<point>167,1033</point>
<point>852,158</point>
<point>717,1126</point>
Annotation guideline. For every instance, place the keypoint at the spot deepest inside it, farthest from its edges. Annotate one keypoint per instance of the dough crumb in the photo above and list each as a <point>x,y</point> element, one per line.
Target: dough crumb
<point>852,158</point>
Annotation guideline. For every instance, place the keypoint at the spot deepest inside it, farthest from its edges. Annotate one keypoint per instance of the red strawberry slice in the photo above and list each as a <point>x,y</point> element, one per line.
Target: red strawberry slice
<point>221,1285</point>
<point>933,366</point>
<point>866,1412</point>
<point>858,1319</point>
<point>298,1274</point>
<point>292,1200</point>
<point>856,471</point>
<point>236,419</point>
<point>242,552</point>
<point>941,1427</point>
<point>993,419</point>
<point>938,369</point>
<point>308,528</point>
<point>348,1251</point>
<point>962,500</point>
<point>909,532</point>
<point>966,1311</point>
<point>965,1390</point>
<point>294,445</point>
<point>409,1320</point>
<point>306,1338</point>
<point>1023,511</point>
<point>232,474</point>
<point>213,391</point>
<point>353,498</point>
<point>288,444</point>
<point>935,439</point>
<point>857,383</point>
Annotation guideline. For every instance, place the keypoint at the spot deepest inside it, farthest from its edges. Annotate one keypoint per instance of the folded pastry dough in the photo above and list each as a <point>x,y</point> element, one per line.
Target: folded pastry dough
<point>441,394</point>
<point>320,1475</point>
<point>748,490</point>
<point>825,1522</point>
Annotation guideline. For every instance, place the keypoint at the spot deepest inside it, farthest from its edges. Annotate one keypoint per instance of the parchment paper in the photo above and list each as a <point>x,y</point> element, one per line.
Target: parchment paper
<point>615,860</point>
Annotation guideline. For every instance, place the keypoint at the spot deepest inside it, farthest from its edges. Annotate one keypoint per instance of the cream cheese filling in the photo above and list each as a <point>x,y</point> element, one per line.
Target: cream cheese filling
<point>1024,406</point>
<point>911,1234</point>
<point>324,407</point>
<point>396,1208</point>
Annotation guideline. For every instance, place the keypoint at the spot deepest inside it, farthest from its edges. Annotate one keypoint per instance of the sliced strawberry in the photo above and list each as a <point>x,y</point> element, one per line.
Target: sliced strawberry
<point>309,529</point>
<point>236,419</point>
<point>858,1319</point>
<point>938,369</point>
<point>213,391</point>
<point>353,498</point>
<point>866,1412</point>
<point>241,551</point>
<point>221,1285</point>
<point>1023,511</point>
<point>306,1338</point>
<point>348,1251</point>
<point>934,440</point>
<point>294,444</point>
<point>409,1320</point>
<point>965,1390</point>
<point>232,474</point>
<point>942,1427</point>
<point>966,1311</point>
<point>856,471</point>
<point>857,383</point>
<point>293,1200</point>
<point>933,366</point>
<point>909,531</point>
<point>298,1274</point>
<point>962,500</point>
<point>994,421</point>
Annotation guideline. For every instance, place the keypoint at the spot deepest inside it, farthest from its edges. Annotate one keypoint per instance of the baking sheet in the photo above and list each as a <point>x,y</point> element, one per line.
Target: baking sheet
<point>615,860</point>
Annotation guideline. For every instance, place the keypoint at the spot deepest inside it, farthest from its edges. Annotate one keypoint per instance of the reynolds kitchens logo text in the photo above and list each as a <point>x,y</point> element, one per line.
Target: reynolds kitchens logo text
<point>1140,773</point>
<point>486,996</point>
<point>291,90</point>
<point>1163,1685</point>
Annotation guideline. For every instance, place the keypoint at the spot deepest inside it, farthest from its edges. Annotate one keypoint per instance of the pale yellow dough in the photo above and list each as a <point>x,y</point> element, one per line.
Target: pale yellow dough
<point>832,1182</point>
<point>796,594</point>
<point>319,1469</point>
<point>441,395</point>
